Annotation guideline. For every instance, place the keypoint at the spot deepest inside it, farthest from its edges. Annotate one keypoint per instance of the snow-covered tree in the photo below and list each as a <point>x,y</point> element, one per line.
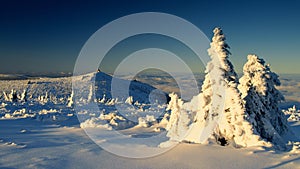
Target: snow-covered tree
<point>43,99</point>
<point>262,99</point>
<point>70,100</point>
<point>22,96</point>
<point>11,97</point>
<point>90,95</point>
<point>129,100</point>
<point>221,99</point>
<point>179,119</point>
<point>6,98</point>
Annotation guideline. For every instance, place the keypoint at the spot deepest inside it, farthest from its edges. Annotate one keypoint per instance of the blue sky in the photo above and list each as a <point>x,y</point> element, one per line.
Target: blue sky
<point>47,36</point>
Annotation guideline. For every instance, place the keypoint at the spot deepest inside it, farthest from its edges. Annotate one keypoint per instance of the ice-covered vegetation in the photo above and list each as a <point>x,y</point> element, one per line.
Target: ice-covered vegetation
<point>242,112</point>
<point>52,99</point>
<point>293,114</point>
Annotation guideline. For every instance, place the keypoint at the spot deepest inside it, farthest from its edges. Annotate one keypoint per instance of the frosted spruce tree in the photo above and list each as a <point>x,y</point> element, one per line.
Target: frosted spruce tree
<point>70,101</point>
<point>262,99</point>
<point>221,99</point>
<point>179,119</point>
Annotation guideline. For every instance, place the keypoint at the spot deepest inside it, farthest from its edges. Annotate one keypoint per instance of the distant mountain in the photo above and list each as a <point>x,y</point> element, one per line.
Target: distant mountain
<point>13,77</point>
<point>25,76</point>
<point>52,99</point>
<point>61,87</point>
<point>140,91</point>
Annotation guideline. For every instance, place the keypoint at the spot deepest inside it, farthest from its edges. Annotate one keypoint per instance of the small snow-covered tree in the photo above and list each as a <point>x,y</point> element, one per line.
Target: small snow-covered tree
<point>70,101</point>
<point>103,99</point>
<point>11,97</point>
<point>6,98</point>
<point>43,99</point>
<point>129,100</point>
<point>179,120</point>
<point>22,96</point>
<point>257,86</point>
<point>220,85</point>
<point>90,95</point>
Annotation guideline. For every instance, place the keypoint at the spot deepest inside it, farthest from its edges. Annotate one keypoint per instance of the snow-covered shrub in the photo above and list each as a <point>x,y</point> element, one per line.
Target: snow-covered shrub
<point>43,99</point>
<point>111,102</point>
<point>146,121</point>
<point>95,122</point>
<point>102,100</point>
<point>294,114</point>
<point>115,120</point>
<point>51,115</point>
<point>129,100</point>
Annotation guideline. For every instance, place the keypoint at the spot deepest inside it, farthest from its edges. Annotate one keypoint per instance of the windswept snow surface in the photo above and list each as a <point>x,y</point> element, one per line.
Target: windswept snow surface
<point>42,130</point>
<point>46,145</point>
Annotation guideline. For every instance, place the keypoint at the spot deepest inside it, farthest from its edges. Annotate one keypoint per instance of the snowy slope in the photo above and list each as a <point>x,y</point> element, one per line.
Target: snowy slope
<point>51,137</point>
<point>44,95</point>
<point>138,90</point>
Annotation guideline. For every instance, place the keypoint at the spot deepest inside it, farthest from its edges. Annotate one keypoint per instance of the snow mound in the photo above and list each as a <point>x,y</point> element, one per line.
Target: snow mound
<point>95,123</point>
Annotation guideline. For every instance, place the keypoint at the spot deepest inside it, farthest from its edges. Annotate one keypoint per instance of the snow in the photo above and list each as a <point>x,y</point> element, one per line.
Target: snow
<point>95,123</point>
<point>32,143</point>
<point>48,123</point>
<point>51,146</point>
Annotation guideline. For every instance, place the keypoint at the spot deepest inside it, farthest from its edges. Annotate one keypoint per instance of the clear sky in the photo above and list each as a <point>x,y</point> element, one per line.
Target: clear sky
<point>47,36</point>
